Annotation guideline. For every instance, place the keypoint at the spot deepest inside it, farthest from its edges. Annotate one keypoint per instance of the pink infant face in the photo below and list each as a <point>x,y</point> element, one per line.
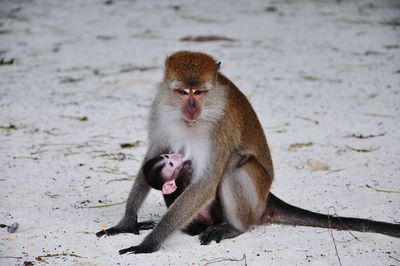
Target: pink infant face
<point>173,165</point>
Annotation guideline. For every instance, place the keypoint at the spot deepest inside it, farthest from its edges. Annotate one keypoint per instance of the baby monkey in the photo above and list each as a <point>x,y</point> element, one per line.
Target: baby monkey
<point>169,173</point>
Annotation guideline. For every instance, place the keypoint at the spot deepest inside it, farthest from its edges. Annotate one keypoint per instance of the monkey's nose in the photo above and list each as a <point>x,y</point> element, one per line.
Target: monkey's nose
<point>191,106</point>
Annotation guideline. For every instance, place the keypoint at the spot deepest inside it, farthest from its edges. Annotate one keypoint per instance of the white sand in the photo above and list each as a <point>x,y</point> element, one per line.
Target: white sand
<point>335,63</point>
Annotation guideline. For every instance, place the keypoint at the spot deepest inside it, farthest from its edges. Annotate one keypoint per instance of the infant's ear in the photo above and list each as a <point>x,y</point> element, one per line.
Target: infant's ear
<point>169,187</point>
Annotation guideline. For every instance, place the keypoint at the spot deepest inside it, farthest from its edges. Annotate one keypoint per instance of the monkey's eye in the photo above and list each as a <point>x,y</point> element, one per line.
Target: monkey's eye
<point>166,156</point>
<point>182,92</point>
<point>197,92</point>
<point>171,164</point>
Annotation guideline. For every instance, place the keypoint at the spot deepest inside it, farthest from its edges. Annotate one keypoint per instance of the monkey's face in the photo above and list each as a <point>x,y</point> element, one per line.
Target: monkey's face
<point>191,101</point>
<point>190,76</point>
<point>173,164</point>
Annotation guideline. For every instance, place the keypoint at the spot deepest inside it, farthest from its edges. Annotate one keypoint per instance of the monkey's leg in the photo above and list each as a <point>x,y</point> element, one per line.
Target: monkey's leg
<point>194,228</point>
<point>211,215</point>
<point>243,193</point>
<point>218,232</point>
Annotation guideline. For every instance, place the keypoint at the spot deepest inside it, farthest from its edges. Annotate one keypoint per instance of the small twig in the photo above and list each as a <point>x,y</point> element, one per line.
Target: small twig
<point>120,179</point>
<point>106,205</point>
<point>380,115</point>
<point>361,136</point>
<point>64,254</point>
<point>114,172</point>
<point>364,150</point>
<point>77,145</point>
<point>34,158</point>
<point>50,195</point>
<point>137,68</point>
<point>394,258</point>
<point>119,156</point>
<point>383,190</point>
<point>80,118</point>
<point>308,119</point>
<point>217,260</point>
<point>334,171</point>
<point>279,126</point>
<point>17,258</point>
<point>85,232</point>
<point>347,230</point>
<point>107,171</point>
<point>333,238</point>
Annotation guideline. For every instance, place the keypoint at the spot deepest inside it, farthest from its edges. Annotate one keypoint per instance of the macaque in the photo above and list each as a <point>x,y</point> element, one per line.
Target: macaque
<point>201,114</point>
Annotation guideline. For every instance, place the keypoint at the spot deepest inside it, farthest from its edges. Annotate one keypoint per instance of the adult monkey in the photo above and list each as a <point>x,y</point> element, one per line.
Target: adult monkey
<point>200,113</point>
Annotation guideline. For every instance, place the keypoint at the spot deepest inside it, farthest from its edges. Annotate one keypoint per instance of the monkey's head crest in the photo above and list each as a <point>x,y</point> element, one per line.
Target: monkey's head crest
<point>191,68</point>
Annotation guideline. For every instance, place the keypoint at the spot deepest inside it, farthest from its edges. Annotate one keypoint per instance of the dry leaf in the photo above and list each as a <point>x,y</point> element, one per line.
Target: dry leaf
<point>129,145</point>
<point>206,38</point>
<point>363,150</point>
<point>296,146</point>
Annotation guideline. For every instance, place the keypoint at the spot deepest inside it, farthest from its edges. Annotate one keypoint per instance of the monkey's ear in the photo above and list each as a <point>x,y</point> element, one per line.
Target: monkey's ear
<point>218,65</point>
<point>167,61</point>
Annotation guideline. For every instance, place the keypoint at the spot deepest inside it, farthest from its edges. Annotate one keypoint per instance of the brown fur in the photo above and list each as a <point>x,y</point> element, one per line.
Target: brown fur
<point>190,68</point>
<point>251,135</point>
<point>233,128</point>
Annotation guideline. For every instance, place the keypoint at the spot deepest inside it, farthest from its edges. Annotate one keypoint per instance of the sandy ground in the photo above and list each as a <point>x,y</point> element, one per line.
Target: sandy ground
<point>323,76</point>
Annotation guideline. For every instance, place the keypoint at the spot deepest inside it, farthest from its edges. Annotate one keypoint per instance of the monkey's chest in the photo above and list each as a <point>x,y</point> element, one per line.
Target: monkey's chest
<point>196,148</point>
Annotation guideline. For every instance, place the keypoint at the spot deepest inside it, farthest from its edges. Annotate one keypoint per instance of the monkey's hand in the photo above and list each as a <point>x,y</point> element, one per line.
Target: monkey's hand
<point>139,249</point>
<point>134,229</point>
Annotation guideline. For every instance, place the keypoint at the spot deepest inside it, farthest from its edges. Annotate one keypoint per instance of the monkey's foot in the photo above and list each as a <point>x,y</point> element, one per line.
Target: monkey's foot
<point>193,229</point>
<point>147,225</point>
<point>138,249</point>
<point>217,233</point>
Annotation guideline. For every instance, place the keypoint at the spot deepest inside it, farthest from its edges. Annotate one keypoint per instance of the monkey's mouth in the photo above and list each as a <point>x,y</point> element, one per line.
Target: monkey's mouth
<point>190,122</point>
<point>191,118</point>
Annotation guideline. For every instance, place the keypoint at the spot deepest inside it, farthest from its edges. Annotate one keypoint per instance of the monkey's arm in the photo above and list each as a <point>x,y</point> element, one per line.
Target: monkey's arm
<point>178,215</point>
<point>183,210</point>
<point>128,223</point>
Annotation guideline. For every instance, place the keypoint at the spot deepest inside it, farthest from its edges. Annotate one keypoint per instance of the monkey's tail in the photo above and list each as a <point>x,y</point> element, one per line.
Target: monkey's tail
<point>278,211</point>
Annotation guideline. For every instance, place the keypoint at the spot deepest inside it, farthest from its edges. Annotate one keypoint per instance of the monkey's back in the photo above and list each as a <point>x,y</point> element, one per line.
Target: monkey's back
<point>247,130</point>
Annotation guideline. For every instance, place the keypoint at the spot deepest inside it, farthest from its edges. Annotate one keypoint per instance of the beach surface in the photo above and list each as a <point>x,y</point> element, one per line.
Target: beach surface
<point>77,81</point>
